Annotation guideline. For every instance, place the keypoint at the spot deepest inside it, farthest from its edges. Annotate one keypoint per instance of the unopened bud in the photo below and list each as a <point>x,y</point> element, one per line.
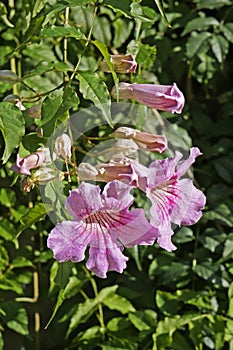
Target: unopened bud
<point>62,147</point>
<point>45,175</point>
<point>87,171</point>
<point>34,112</point>
<point>121,63</point>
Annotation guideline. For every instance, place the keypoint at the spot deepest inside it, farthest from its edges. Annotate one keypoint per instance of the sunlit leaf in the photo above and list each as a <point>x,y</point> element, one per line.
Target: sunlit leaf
<point>11,126</point>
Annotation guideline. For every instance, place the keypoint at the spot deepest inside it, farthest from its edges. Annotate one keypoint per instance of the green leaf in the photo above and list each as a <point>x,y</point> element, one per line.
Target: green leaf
<point>120,7</point>
<point>122,31</point>
<point>32,142</point>
<point>222,213</point>
<point>200,24</point>
<point>143,13</point>
<point>102,30</point>
<point>227,30</point>
<point>60,31</point>
<point>59,302</point>
<point>35,214</point>
<point>94,89</point>
<point>50,107</point>
<point>86,309</point>
<point>159,4</point>
<point>11,126</point>
<point>21,261</point>
<point>195,43</point>
<point>16,317</point>
<point>220,47</point>
<point>212,4</point>
<point>224,168</point>
<point>7,197</point>
<point>119,303</point>
<point>1,341</point>
<point>63,274</point>
<point>34,27</point>
<point>82,314</point>
<point>143,320</point>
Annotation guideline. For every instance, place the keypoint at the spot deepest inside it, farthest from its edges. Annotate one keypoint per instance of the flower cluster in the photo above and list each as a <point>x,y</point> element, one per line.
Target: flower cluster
<point>103,220</point>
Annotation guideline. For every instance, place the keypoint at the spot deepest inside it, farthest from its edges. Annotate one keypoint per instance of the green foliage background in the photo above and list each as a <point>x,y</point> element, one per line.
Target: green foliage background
<point>179,300</point>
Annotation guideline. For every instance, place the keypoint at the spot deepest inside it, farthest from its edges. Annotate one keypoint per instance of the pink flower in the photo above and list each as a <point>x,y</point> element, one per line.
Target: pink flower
<point>121,64</point>
<point>145,140</point>
<point>103,222</point>
<point>173,199</point>
<point>163,97</point>
<point>32,161</point>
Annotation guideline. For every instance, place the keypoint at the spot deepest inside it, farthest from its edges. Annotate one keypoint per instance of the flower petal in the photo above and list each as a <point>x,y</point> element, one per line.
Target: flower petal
<point>69,240</point>
<point>116,196</point>
<point>186,164</point>
<point>134,229</point>
<point>105,255</point>
<point>190,202</point>
<point>164,240</point>
<point>84,201</point>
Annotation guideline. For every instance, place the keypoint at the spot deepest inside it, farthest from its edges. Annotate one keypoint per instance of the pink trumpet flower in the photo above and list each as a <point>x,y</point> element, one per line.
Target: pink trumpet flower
<point>162,97</point>
<point>104,222</point>
<point>174,200</point>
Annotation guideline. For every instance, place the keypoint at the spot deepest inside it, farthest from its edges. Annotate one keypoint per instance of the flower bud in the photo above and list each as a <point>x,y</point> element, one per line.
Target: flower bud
<point>8,77</point>
<point>32,161</point>
<point>62,147</point>
<point>145,140</point>
<point>162,97</point>
<point>87,171</point>
<point>121,64</point>
<point>34,111</point>
<point>121,148</point>
<point>45,175</point>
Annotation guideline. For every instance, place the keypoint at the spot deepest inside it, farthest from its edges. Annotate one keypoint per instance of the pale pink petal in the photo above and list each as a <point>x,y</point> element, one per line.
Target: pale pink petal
<point>116,196</point>
<point>105,255</point>
<point>84,200</point>
<point>189,204</point>
<point>186,164</point>
<point>69,240</point>
<point>134,229</point>
<point>164,240</point>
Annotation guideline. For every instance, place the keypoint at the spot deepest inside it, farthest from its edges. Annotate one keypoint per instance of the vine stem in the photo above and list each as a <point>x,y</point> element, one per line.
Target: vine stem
<point>95,289</point>
<point>65,43</point>
<point>86,44</point>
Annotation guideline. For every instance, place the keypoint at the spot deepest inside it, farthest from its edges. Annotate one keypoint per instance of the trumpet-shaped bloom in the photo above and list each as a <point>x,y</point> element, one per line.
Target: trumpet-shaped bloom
<point>103,222</point>
<point>173,199</point>
<point>163,97</point>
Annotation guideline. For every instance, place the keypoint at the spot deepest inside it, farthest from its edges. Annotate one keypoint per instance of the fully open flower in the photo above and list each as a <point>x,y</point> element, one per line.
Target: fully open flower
<point>173,199</point>
<point>145,140</point>
<point>103,222</point>
<point>163,97</point>
<point>32,161</point>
